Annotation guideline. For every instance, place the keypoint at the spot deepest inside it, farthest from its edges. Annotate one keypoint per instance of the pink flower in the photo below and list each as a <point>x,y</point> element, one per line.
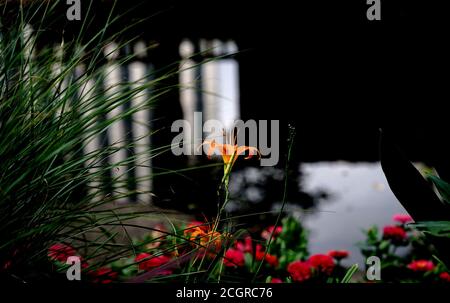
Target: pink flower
<point>276,281</point>
<point>395,233</point>
<point>322,263</point>
<point>148,262</point>
<point>60,252</point>
<point>299,271</point>
<point>445,276</point>
<point>421,265</point>
<point>338,254</point>
<point>271,229</point>
<point>245,246</point>
<point>402,218</point>
<point>234,257</point>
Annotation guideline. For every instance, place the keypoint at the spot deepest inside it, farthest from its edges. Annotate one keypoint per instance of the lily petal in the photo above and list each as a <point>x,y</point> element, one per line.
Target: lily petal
<point>253,151</point>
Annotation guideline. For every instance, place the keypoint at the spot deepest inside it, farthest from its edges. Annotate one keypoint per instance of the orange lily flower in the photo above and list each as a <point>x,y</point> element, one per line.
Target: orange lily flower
<point>230,152</point>
<point>205,236</point>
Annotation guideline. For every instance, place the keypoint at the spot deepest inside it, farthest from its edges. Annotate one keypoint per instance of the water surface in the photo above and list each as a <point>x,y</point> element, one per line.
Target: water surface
<point>359,197</point>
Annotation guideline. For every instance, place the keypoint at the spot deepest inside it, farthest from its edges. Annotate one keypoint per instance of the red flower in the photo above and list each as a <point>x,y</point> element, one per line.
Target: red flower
<point>394,233</point>
<point>299,271</point>
<point>402,218</point>
<point>445,276</point>
<point>270,259</point>
<point>322,263</point>
<point>245,246</point>
<point>259,255</point>
<point>276,280</point>
<point>60,252</point>
<point>148,262</point>
<point>268,231</point>
<point>338,254</point>
<point>421,265</point>
<point>234,257</point>
<point>103,275</point>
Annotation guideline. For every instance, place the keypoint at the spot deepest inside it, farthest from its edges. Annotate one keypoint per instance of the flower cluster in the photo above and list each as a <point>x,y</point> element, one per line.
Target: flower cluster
<point>276,254</point>
<point>286,259</point>
<point>155,254</point>
<point>235,256</point>
<point>59,253</point>
<point>414,266</point>
<point>315,265</point>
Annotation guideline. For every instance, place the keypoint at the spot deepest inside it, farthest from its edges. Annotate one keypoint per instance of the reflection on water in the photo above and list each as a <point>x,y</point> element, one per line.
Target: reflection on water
<point>359,197</point>
<point>261,188</point>
<point>336,201</point>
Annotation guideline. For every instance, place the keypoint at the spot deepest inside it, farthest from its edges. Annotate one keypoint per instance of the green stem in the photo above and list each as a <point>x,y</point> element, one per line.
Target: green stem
<point>288,158</point>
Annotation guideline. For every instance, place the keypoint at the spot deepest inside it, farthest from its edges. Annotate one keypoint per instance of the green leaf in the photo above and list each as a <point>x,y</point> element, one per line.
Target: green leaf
<point>384,245</point>
<point>435,228</point>
<point>439,261</point>
<point>407,184</point>
<point>248,260</point>
<point>442,186</point>
<point>349,274</point>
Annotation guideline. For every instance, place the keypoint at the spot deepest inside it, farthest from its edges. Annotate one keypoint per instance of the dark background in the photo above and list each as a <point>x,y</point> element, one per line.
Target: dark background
<point>323,67</point>
<point>319,66</point>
